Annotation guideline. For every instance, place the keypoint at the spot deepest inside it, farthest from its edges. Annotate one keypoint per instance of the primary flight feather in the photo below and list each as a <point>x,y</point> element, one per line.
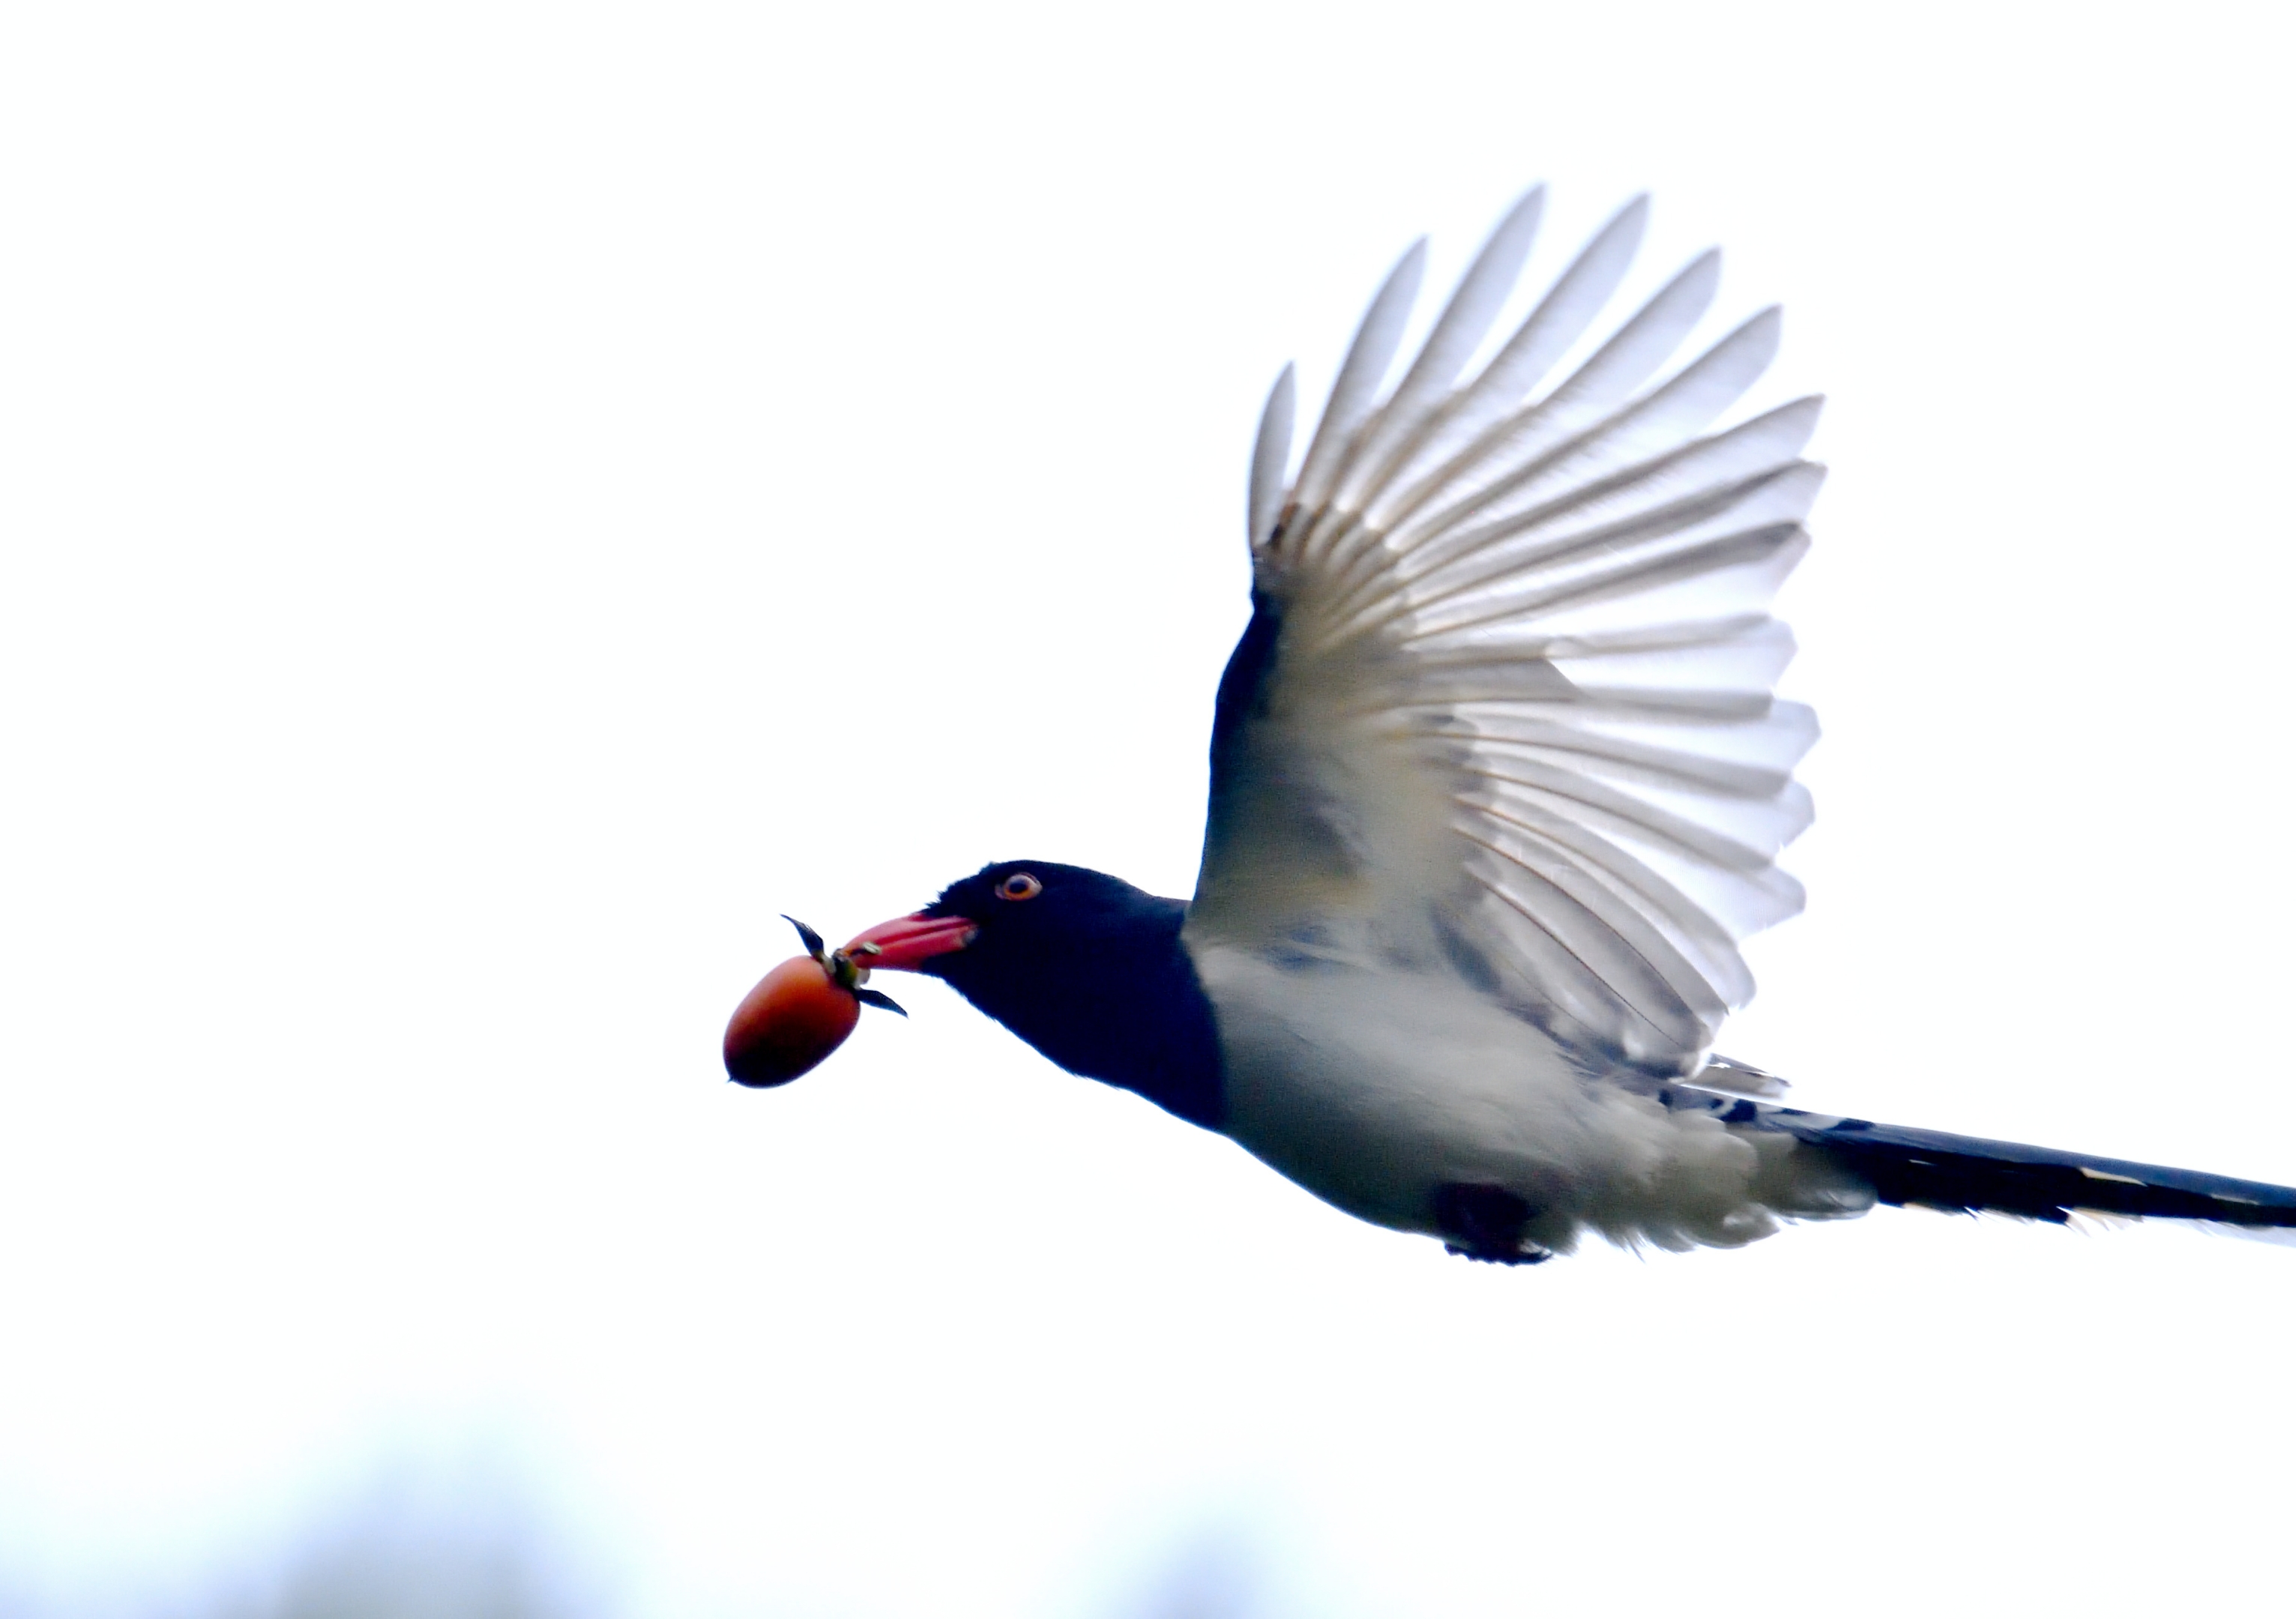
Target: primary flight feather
<point>1498,787</point>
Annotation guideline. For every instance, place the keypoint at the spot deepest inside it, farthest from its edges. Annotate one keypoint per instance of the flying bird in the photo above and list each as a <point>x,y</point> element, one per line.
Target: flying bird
<point>1499,783</point>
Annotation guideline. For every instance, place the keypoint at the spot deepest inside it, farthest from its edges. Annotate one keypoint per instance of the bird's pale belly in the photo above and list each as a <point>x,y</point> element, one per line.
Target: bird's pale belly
<point>1376,1089</point>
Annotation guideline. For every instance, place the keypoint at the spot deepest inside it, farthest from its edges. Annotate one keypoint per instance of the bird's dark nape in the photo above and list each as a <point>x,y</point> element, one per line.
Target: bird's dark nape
<point>1969,1174</point>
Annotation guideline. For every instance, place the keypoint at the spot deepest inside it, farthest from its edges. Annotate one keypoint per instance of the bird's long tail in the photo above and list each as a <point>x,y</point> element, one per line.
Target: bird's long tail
<point>1966,1175</point>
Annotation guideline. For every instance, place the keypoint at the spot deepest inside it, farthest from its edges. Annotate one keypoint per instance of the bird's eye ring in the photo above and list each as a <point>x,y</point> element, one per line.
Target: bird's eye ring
<point>1021,885</point>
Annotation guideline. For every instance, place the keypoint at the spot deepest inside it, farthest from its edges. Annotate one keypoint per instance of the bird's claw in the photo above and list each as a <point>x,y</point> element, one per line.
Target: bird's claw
<point>1496,1256</point>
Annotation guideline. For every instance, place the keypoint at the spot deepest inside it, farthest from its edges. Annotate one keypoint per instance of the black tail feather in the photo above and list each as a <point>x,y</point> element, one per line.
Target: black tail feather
<point>1965,1174</point>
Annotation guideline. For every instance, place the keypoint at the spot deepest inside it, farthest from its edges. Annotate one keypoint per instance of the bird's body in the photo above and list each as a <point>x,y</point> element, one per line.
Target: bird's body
<point>1377,1089</point>
<point>1499,781</point>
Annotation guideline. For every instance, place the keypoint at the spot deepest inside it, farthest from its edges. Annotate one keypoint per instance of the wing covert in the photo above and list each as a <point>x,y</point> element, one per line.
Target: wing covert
<point>1507,698</point>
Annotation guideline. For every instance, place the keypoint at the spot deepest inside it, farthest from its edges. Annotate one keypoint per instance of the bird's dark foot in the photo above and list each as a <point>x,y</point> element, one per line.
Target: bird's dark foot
<point>1519,1256</point>
<point>1486,1223</point>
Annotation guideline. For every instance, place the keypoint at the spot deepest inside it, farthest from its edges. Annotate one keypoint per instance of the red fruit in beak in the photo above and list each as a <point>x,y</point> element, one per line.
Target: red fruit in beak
<point>796,1016</point>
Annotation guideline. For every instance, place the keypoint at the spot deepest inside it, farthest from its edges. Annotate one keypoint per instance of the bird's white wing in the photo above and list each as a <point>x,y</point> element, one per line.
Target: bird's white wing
<point>1506,703</point>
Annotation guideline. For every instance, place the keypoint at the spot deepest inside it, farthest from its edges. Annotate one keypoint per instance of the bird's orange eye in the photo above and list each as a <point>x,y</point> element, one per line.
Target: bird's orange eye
<point>1019,885</point>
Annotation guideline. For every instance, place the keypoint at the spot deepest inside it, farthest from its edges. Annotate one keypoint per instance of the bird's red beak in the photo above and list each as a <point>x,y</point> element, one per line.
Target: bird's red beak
<point>906,942</point>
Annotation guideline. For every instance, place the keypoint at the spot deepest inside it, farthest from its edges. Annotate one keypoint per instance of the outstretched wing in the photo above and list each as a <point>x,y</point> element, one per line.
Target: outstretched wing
<point>1505,702</point>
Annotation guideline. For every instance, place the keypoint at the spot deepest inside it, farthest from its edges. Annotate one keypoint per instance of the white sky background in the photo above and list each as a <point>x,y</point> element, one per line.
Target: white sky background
<point>499,503</point>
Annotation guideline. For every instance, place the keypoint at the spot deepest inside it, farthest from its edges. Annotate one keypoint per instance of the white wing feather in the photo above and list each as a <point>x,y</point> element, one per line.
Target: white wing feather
<point>1506,705</point>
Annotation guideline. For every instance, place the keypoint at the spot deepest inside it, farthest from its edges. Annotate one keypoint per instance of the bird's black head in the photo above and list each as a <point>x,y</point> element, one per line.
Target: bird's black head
<point>1037,917</point>
<point>1081,965</point>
